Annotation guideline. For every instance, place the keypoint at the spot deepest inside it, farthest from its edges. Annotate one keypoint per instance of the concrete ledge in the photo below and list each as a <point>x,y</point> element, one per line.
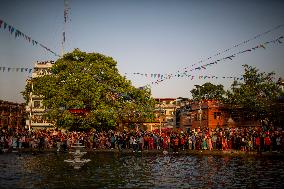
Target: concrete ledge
<point>157,152</point>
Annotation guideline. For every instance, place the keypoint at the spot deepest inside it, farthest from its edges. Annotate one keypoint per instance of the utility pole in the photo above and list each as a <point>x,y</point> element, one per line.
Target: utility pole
<point>31,105</point>
<point>199,99</point>
<point>66,16</point>
<point>160,129</point>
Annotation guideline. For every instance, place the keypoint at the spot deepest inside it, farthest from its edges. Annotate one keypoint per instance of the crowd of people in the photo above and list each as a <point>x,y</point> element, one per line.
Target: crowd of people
<point>243,139</point>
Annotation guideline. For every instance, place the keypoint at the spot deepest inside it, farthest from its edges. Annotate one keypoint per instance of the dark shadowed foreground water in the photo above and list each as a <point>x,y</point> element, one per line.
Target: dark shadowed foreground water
<point>156,171</point>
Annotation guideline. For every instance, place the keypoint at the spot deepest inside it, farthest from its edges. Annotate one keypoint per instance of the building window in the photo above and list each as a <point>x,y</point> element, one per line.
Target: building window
<point>170,120</point>
<point>217,115</point>
<point>36,104</point>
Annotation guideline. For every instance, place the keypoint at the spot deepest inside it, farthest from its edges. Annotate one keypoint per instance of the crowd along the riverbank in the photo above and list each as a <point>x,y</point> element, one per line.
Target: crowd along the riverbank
<point>244,139</point>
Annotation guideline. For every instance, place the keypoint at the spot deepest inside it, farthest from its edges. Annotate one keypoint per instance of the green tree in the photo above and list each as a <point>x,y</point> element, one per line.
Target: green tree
<point>257,95</point>
<point>208,91</point>
<point>90,81</point>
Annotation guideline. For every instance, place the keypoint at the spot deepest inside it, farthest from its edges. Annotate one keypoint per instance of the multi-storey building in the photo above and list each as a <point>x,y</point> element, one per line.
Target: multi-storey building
<point>12,115</point>
<point>164,114</point>
<point>35,107</point>
<point>209,114</point>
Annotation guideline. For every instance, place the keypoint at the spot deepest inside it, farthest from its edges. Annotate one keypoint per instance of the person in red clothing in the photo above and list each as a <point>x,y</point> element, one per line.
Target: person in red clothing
<point>182,143</point>
<point>151,142</point>
<point>175,144</point>
<point>267,143</point>
<point>257,143</point>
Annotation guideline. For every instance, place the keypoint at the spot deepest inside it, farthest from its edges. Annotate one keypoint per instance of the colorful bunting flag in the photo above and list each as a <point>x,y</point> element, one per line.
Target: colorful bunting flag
<point>18,33</point>
<point>275,41</point>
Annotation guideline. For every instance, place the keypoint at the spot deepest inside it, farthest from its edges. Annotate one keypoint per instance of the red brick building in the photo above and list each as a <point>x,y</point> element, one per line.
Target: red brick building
<point>12,115</point>
<point>209,114</point>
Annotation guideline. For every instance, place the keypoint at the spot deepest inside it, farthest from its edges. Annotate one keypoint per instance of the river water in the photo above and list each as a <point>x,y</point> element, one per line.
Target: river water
<point>107,170</point>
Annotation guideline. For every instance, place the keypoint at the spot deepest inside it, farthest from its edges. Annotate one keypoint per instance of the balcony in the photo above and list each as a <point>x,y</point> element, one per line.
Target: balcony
<point>38,124</point>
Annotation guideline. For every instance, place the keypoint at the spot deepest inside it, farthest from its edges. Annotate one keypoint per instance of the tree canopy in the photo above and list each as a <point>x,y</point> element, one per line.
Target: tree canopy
<point>258,95</point>
<point>208,91</point>
<point>90,81</point>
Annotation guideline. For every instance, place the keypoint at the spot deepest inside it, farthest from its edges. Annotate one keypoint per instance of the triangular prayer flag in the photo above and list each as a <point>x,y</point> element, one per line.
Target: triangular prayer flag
<point>63,37</point>
<point>261,45</point>
<point>229,57</point>
<point>16,33</point>
<point>245,51</point>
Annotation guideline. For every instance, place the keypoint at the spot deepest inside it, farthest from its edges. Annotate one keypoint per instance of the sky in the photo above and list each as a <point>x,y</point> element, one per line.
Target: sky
<point>159,37</point>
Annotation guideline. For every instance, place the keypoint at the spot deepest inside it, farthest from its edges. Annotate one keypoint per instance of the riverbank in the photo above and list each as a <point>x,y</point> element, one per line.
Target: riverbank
<point>155,152</point>
<point>192,152</point>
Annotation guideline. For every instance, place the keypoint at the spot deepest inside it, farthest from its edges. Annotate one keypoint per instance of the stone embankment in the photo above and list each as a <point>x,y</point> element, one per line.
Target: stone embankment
<point>160,152</point>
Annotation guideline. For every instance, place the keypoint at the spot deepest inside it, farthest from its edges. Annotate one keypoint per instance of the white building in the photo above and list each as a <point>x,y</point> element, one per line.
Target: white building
<point>35,107</point>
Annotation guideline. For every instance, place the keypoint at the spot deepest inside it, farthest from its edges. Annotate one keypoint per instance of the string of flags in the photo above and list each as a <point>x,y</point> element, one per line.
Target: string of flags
<point>237,45</point>
<point>66,18</point>
<point>29,70</point>
<point>230,57</point>
<point>161,76</point>
<point>19,34</point>
<point>9,69</point>
<point>178,74</point>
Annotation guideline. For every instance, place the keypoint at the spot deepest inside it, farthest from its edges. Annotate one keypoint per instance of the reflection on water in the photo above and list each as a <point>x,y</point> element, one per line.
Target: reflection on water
<point>115,171</point>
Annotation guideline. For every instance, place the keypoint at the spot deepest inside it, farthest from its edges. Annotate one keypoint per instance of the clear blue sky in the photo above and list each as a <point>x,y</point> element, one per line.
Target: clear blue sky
<point>145,36</point>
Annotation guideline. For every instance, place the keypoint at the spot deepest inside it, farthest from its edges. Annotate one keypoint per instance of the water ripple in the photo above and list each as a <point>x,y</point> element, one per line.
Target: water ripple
<point>115,171</point>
